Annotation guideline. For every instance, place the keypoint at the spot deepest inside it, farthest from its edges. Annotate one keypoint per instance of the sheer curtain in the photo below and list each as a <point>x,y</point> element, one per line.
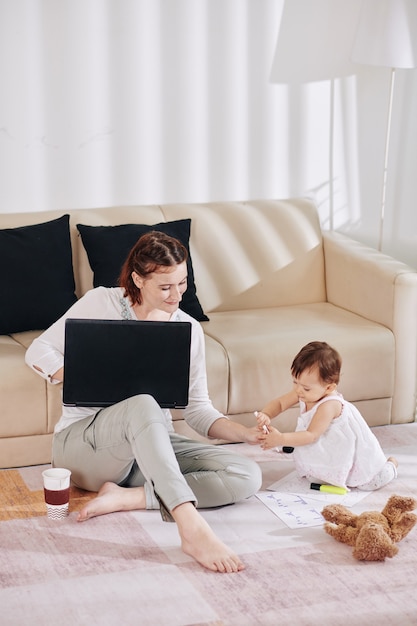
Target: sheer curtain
<point>107,102</point>
<point>136,101</point>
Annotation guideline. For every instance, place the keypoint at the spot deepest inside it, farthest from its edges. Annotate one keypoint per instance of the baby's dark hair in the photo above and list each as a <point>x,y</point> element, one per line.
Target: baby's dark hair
<point>318,354</point>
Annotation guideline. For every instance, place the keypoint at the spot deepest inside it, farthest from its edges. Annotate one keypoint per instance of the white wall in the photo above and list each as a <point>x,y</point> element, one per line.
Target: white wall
<point>108,102</point>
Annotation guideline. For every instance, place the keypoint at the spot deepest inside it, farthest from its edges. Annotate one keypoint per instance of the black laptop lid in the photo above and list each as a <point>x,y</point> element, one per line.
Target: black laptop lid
<point>106,361</point>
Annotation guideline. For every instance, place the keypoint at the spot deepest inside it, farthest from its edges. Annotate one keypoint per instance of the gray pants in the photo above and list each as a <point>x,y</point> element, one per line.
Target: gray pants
<point>129,444</point>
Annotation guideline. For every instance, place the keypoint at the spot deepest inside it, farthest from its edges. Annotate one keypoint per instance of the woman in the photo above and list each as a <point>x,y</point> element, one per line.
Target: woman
<point>129,452</point>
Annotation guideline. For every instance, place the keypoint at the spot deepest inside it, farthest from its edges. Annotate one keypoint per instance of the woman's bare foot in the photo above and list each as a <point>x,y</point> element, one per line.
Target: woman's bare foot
<point>199,541</point>
<point>197,538</point>
<point>112,498</point>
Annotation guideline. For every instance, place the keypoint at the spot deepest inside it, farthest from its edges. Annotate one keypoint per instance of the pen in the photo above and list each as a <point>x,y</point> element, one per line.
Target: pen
<point>329,488</point>
<point>264,427</point>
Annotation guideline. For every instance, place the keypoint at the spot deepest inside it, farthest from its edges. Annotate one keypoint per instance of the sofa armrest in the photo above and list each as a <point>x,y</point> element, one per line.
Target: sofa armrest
<point>384,290</point>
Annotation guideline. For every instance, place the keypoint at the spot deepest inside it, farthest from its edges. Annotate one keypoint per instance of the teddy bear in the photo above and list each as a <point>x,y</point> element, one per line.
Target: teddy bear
<point>372,534</point>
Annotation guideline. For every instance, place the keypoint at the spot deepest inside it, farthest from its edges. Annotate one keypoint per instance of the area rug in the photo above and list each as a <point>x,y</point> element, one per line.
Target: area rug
<point>128,568</point>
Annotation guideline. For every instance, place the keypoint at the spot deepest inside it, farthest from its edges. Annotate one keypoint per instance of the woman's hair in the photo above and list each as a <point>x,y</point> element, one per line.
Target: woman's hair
<point>152,251</point>
<point>318,354</point>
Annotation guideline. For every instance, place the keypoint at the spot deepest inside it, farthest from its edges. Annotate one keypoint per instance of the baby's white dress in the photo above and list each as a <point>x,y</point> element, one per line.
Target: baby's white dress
<point>347,454</point>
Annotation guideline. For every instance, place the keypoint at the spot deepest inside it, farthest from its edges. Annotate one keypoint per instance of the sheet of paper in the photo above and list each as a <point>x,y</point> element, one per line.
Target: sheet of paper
<point>295,511</point>
<point>298,506</point>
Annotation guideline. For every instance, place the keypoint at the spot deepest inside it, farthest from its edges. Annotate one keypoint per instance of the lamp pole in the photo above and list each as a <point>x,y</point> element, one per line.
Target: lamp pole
<point>387,140</point>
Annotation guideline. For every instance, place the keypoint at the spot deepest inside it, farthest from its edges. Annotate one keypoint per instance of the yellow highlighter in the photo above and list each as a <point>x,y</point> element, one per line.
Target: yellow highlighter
<point>329,489</point>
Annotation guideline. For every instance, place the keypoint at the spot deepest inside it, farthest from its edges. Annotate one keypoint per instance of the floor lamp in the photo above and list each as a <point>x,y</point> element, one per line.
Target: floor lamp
<point>387,37</point>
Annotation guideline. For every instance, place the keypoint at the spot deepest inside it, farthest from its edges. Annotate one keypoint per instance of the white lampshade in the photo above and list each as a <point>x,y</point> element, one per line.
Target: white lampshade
<point>387,34</point>
<point>315,40</point>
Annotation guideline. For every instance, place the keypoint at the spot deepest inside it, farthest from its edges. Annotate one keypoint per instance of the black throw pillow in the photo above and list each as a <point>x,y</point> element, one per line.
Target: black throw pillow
<point>107,248</point>
<point>36,275</point>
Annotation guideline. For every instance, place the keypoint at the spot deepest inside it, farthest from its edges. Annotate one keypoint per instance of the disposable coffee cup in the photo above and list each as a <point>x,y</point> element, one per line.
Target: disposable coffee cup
<point>56,487</point>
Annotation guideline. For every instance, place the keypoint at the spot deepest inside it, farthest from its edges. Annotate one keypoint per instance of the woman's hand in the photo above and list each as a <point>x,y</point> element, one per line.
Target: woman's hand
<point>254,435</point>
<point>58,376</point>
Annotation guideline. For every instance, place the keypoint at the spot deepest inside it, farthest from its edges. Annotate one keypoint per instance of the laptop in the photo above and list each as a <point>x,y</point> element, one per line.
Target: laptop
<point>106,361</point>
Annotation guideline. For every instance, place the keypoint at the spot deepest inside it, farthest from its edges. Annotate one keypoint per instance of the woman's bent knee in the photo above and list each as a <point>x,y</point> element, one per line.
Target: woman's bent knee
<point>142,410</point>
<point>255,478</point>
<point>143,402</point>
<point>245,478</point>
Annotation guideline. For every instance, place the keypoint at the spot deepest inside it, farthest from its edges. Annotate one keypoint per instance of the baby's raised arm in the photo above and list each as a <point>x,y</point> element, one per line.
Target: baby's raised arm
<point>275,407</point>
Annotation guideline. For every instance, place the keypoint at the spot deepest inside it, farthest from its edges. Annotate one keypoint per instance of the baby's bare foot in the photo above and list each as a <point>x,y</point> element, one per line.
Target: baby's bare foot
<point>199,541</point>
<point>112,498</point>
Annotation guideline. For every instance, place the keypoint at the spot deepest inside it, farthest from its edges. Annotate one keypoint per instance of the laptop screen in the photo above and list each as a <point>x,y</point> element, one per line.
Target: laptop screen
<point>106,361</point>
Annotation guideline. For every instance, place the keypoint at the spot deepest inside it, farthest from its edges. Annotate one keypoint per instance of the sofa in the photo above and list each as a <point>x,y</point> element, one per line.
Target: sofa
<point>266,280</point>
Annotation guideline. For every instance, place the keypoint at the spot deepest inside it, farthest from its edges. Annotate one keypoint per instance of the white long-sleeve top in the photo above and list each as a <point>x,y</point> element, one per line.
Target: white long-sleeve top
<point>47,353</point>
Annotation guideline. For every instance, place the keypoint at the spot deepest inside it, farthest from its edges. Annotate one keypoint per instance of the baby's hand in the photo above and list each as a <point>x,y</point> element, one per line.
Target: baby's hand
<point>263,421</point>
<point>272,440</point>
